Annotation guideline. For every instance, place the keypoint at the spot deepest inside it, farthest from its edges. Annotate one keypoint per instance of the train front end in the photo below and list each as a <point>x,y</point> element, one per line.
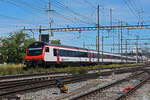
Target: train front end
<point>35,54</point>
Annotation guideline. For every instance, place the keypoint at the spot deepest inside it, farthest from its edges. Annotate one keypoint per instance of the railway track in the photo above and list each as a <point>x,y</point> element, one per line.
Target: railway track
<point>23,86</point>
<point>118,90</point>
<point>10,83</point>
<point>16,77</point>
<point>34,86</point>
<point>47,76</point>
<point>130,92</point>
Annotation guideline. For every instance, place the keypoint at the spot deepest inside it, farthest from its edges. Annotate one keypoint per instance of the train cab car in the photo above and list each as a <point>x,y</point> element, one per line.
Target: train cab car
<point>43,54</point>
<point>35,54</point>
<point>40,53</point>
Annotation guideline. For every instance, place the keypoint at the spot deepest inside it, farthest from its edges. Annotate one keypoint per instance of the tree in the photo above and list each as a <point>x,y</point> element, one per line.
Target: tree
<point>14,47</point>
<point>56,42</point>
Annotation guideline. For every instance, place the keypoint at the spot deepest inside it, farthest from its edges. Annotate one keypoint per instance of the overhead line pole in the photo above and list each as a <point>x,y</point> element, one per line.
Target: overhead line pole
<point>121,41</point>
<point>102,47</point>
<point>50,19</point>
<point>40,33</point>
<point>111,9</point>
<point>137,37</point>
<point>98,29</point>
<point>126,49</point>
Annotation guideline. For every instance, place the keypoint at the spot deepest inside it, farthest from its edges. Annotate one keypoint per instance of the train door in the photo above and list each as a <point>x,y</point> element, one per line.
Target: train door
<point>47,54</point>
<point>110,57</point>
<point>56,55</point>
<point>90,57</point>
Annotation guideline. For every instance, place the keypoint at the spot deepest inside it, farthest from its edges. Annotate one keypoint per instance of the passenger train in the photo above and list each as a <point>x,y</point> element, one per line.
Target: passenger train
<point>44,54</point>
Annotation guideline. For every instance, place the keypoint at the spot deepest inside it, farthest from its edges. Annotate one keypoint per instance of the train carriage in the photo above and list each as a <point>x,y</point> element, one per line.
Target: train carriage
<point>43,54</point>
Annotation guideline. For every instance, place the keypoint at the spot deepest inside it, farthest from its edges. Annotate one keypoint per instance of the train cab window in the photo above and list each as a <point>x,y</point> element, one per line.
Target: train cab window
<point>47,49</point>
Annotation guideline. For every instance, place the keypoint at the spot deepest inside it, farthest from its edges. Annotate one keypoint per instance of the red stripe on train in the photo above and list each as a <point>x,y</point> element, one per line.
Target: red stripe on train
<point>58,57</point>
<point>90,58</point>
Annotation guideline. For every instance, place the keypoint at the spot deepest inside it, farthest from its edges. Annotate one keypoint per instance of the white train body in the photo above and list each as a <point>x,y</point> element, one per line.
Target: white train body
<point>46,54</point>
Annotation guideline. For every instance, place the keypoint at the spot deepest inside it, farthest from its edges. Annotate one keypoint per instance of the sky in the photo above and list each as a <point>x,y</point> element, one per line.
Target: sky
<point>17,14</point>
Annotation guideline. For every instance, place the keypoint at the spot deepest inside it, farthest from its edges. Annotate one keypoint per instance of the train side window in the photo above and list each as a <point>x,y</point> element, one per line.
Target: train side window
<point>79,54</point>
<point>47,49</point>
<point>76,53</point>
<point>73,53</point>
<point>60,53</point>
<point>70,53</point>
<point>65,53</point>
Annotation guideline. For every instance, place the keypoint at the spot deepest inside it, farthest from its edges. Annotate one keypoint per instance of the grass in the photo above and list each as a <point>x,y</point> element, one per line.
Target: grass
<point>12,69</point>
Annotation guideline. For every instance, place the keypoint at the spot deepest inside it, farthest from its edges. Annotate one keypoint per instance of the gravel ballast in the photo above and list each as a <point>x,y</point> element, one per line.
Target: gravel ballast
<point>51,93</point>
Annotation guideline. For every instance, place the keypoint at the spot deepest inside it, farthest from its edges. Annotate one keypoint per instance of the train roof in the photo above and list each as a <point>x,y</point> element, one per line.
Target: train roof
<point>73,47</point>
<point>65,46</point>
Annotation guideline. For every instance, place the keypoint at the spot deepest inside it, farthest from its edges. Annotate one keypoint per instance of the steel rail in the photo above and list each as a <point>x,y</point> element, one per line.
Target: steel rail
<point>65,72</point>
<point>50,83</point>
<point>30,75</point>
<point>14,83</point>
<point>130,92</point>
<point>88,94</point>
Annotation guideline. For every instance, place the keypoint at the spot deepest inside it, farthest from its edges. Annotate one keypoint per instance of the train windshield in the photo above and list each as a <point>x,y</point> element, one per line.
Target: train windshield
<point>35,49</point>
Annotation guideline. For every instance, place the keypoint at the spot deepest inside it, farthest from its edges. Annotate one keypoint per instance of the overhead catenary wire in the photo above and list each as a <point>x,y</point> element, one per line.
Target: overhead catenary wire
<point>19,5</point>
<point>24,6</point>
<point>18,20</point>
<point>29,5</point>
<point>64,17</point>
<point>57,13</point>
<point>89,3</point>
<point>40,2</point>
<point>43,1</point>
<point>75,19</point>
<point>71,41</point>
<point>133,5</point>
<point>58,4</point>
<point>68,18</point>
<point>71,10</point>
<point>22,2</point>
<point>131,9</point>
<point>136,10</point>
